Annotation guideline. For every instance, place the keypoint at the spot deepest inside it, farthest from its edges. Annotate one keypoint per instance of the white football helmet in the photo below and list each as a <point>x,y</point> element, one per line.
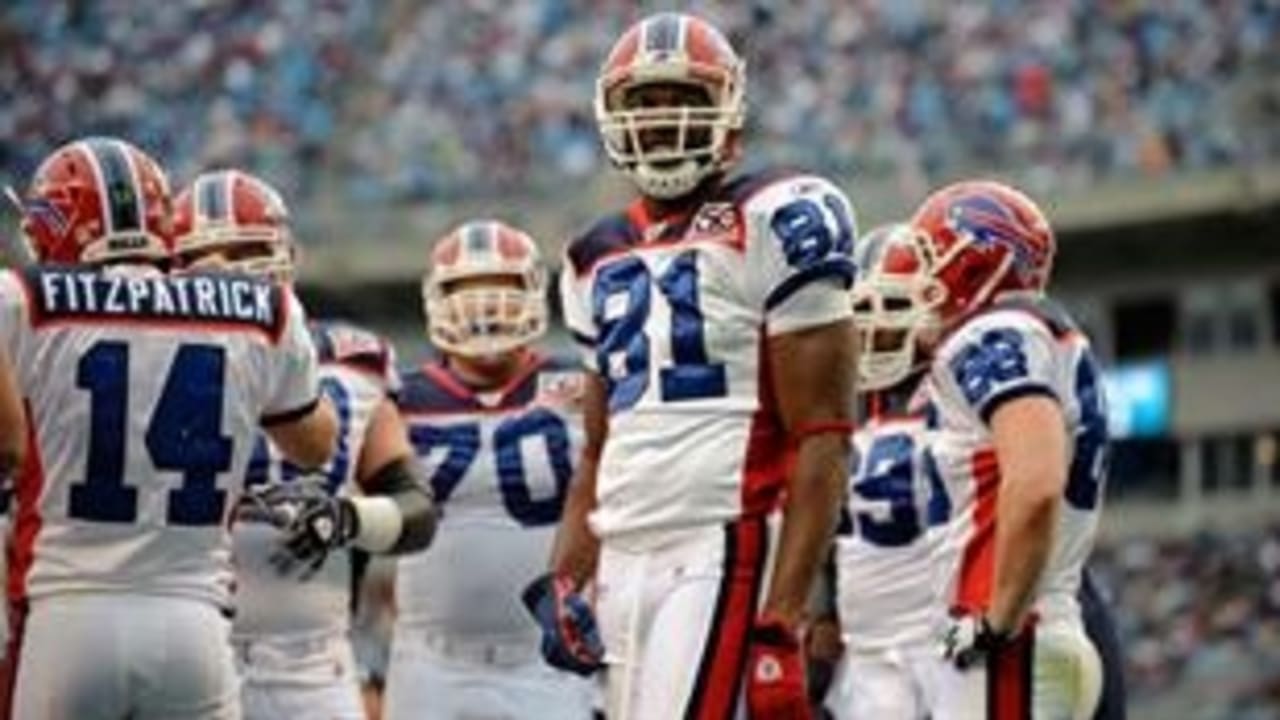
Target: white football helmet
<point>895,301</point>
<point>485,292</point>
<point>673,49</point>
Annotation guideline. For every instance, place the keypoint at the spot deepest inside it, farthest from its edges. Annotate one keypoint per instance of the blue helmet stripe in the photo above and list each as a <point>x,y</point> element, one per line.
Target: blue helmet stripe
<point>213,205</point>
<point>123,213</point>
<point>663,33</point>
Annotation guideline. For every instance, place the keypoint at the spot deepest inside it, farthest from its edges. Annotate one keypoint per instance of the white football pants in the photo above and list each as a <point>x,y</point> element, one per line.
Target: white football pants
<point>896,682</point>
<point>675,622</point>
<point>1049,672</point>
<point>436,678</point>
<point>103,656</point>
<point>299,679</point>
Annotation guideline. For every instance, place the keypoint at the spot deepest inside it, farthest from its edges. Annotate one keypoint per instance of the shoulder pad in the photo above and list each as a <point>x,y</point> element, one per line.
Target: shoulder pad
<point>608,234</point>
<point>560,383</point>
<point>352,346</point>
<point>739,188</point>
<point>1044,309</point>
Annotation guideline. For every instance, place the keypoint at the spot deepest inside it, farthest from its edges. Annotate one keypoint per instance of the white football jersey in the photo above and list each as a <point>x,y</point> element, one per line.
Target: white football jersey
<point>500,466</point>
<point>145,394</point>
<point>1014,350</point>
<point>357,372</point>
<point>676,316</point>
<point>884,549</point>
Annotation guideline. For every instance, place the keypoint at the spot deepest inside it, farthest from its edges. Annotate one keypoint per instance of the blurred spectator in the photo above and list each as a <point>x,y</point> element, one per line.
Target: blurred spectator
<point>478,97</point>
<point>1200,620</point>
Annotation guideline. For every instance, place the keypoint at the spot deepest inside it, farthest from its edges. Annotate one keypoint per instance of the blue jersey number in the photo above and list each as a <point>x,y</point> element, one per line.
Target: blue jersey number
<point>804,233</point>
<point>1089,461</point>
<point>983,366</point>
<point>887,475</point>
<point>184,434</point>
<point>510,439</point>
<point>621,299</point>
<point>259,470</point>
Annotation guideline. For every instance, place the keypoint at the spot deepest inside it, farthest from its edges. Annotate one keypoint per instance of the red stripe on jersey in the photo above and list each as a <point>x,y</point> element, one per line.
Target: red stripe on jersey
<point>977,564</point>
<point>1009,678</point>
<point>272,336</point>
<point>718,685</point>
<point>13,653</point>
<point>26,497</point>
<point>764,473</point>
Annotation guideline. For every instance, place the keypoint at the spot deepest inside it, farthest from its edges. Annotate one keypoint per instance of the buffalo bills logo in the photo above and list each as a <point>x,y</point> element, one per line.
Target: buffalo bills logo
<point>987,224</point>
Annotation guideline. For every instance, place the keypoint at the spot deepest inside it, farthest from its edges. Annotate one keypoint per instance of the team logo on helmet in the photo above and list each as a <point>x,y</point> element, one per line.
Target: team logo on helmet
<point>988,224</point>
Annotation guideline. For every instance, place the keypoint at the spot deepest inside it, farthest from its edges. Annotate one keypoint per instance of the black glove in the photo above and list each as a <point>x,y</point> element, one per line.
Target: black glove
<point>969,640</point>
<point>312,522</point>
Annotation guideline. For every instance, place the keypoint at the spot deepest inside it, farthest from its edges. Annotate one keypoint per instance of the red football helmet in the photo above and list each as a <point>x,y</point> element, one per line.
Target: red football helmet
<point>668,148</point>
<point>485,292</point>
<point>237,221</point>
<point>895,299</point>
<point>984,238</point>
<point>97,200</point>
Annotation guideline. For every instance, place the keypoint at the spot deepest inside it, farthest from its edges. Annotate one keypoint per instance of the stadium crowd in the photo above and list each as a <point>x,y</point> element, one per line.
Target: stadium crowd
<point>437,100</point>
<point>1200,619</point>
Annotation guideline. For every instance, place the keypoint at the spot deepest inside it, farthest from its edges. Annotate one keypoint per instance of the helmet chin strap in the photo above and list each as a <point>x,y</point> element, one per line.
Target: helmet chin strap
<point>673,183</point>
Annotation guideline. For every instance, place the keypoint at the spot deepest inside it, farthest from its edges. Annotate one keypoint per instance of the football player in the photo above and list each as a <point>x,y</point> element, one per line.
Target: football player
<point>291,628</point>
<point>1021,446</point>
<point>145,395</point>
<point>715,319</point>
<point>497,424</point>
<point>884,580</point>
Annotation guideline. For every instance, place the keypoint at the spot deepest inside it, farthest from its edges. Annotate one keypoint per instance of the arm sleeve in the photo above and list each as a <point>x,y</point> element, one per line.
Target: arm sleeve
<point>293,387</point>
<point>575,300</point>
<point>800,238</point>
<point>993,359</point>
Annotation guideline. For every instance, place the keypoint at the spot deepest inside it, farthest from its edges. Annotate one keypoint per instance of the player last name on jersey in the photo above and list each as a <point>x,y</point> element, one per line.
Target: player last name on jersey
<point>59,294</point>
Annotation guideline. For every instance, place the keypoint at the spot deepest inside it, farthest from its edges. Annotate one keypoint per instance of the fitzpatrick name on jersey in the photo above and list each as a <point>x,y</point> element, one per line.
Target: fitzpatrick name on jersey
<point>1015,349</point>
<point>500,465</point>
<point>675,316</point>
<point>85,296</point>
<point>143,415</point>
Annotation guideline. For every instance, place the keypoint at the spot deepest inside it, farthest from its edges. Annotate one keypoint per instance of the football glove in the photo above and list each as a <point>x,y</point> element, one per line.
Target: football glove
<point>570,637</point>
<point>312,522</point>
<point>969,639</point>
<point>776,673</point>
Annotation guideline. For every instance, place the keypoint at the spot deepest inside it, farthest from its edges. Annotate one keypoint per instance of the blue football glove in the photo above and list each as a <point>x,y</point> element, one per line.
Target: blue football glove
<point>570,638</point>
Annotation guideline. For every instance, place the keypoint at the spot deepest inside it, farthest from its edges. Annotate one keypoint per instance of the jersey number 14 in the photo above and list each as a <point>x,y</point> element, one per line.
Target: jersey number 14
<point>184,435</point>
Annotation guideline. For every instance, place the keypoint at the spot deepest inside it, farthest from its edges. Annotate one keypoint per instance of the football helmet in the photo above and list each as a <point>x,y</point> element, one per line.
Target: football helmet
<point>895,301</point>
<point>485,292</point>
<point>97,200</point>
<point>669,149</point>
<point>237,218</point>
<point>982,239</point>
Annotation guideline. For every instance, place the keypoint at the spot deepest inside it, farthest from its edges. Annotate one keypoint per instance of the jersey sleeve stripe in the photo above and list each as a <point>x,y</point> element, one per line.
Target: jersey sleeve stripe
<point>840,268</point>
<point>583,339</point>
<point>994,402</point>
<point>281,418</point>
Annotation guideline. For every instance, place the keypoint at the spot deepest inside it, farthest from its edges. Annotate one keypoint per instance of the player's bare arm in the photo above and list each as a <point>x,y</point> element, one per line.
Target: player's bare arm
<point>576,548</point>
<point>1031,448</point>
<point>398,514</point>
<point>13,430</point>
<point>813,372</point>
<point>309,439</point>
